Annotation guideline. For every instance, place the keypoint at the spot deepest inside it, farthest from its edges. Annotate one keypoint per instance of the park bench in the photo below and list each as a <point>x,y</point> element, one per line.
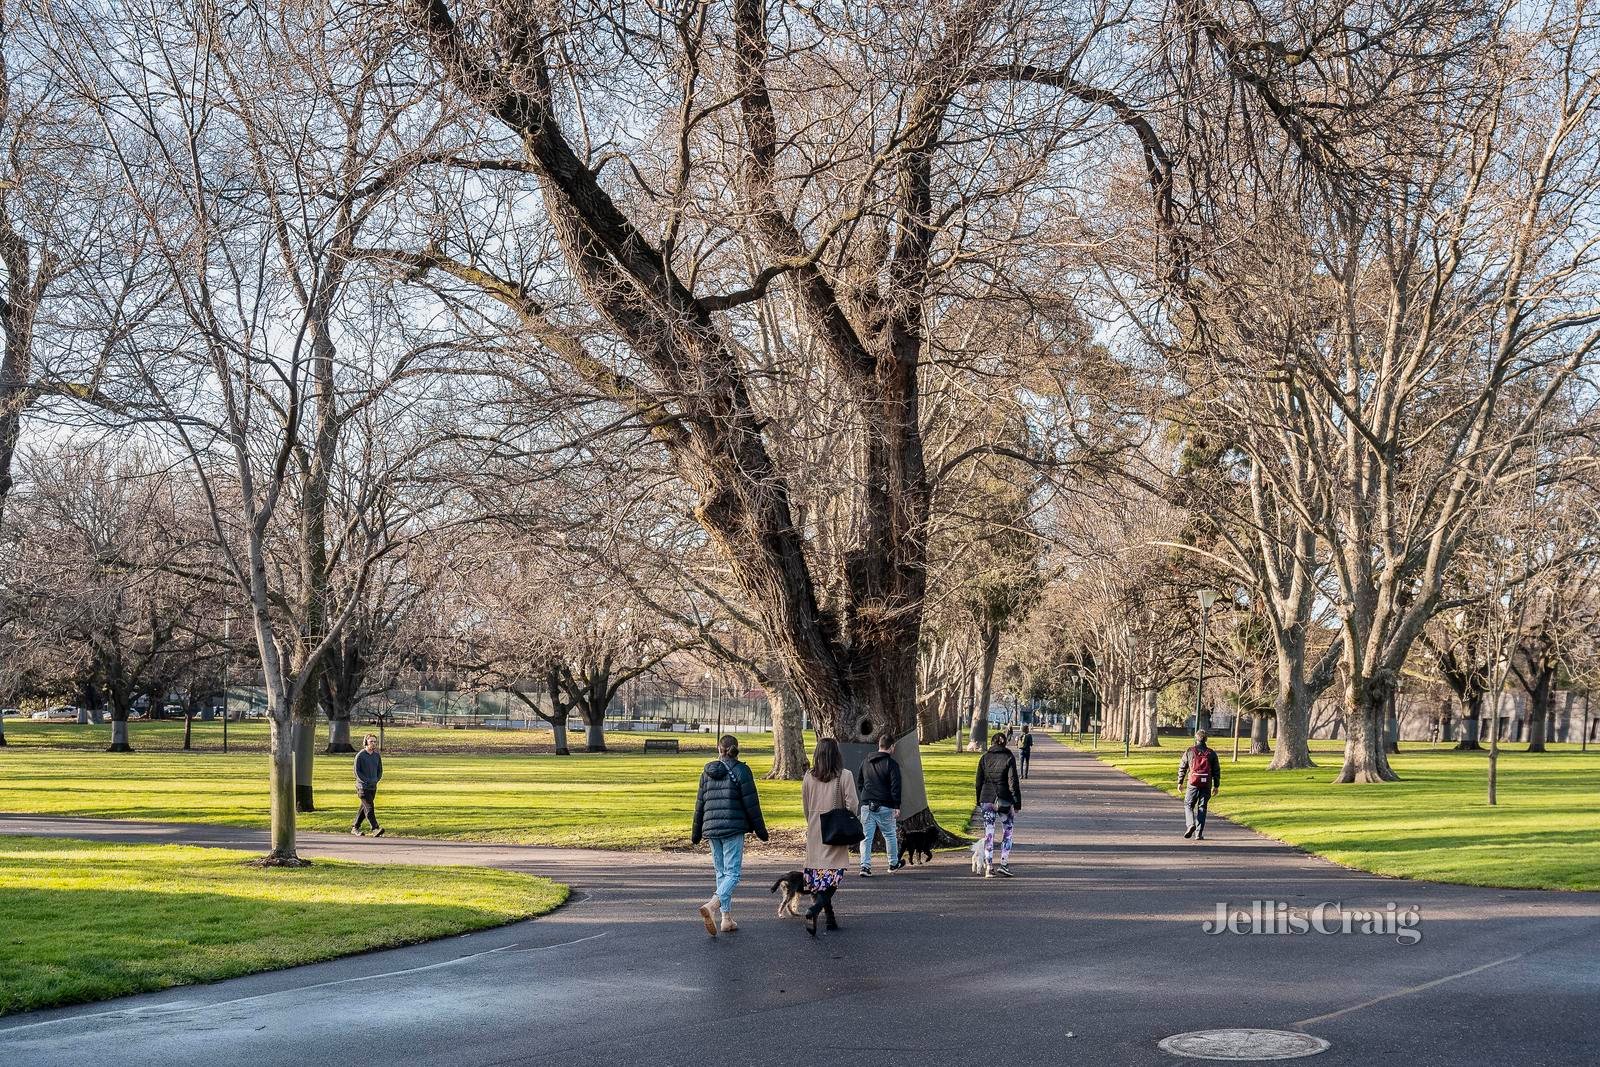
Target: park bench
<point>661,744</point>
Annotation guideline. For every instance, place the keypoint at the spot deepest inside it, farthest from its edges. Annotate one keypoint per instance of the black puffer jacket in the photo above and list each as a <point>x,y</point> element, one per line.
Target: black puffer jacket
<point>727,804</point>
<point>998,781</point>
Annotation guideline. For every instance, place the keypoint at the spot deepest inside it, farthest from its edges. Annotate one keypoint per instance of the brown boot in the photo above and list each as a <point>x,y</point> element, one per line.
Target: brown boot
<point>710,914</point>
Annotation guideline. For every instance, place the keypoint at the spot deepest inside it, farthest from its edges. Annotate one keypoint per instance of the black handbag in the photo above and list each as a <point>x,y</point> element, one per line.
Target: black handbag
<point>841,826</point>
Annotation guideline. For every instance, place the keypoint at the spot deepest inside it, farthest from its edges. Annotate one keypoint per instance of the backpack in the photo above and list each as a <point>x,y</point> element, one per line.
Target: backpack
<point>1200,765</point>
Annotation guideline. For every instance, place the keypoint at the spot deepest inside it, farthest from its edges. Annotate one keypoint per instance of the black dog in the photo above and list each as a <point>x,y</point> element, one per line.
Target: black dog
<point>794,887</point>
<point>914,843</point>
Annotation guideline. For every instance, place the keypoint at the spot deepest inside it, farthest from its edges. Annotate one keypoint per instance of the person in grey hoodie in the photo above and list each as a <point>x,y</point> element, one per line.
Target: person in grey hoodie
<point>369,768</point>
<point>725,809</point>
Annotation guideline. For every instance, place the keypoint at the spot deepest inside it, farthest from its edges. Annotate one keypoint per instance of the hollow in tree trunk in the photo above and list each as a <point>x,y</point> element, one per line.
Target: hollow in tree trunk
<point>1258,735</point>
<point>1366,703</point>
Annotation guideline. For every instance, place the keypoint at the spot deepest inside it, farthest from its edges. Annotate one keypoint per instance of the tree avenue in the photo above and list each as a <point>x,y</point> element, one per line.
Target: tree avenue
<point>901,362</point>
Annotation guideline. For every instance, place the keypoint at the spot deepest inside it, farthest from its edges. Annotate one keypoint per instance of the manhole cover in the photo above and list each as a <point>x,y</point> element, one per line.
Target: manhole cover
<point>1243,1044</point>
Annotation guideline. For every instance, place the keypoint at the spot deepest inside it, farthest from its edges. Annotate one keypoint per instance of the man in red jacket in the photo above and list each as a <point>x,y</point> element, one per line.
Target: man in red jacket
<point>1200,776</point>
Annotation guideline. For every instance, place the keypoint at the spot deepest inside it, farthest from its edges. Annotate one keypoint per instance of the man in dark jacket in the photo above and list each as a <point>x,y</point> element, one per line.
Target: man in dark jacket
<point>999,798</point>
<point>369,768</point>
<point>1199,776</point>
<point>1026,746</point>
<point>878,782</point>
<point>725,809</point>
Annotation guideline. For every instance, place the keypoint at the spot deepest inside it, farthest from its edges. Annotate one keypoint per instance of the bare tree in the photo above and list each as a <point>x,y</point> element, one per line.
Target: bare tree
<point>1423,323</point>
<point>231,368</point>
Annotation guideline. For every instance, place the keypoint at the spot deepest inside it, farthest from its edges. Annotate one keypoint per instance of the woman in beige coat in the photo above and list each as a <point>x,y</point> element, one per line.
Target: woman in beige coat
<point>827,786</point>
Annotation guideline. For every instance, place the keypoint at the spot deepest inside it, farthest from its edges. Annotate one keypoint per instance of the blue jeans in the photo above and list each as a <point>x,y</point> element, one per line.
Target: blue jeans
<point>882,819</point>
<point>727,860</point>
<point>1195,798</point>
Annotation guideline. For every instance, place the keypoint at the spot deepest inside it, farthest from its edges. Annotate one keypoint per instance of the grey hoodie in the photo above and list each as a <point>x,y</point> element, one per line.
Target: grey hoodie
<point>369,768</point>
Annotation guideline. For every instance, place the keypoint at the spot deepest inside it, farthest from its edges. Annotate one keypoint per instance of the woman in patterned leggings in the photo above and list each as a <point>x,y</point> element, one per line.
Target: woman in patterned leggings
<point>999,798</point>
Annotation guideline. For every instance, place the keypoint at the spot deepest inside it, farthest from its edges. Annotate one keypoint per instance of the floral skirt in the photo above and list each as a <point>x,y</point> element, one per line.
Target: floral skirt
<point>825,878</point>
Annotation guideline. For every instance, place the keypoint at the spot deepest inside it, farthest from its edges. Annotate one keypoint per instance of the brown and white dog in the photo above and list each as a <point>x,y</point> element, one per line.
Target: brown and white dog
<point>793,885</point>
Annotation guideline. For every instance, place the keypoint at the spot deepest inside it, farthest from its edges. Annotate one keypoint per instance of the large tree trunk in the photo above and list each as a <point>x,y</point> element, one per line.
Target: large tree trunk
<point>788,737</point>
<point>1292,713</point>
<point>1258,735</point>
<point>978,730</point>
<point>280,789</point>
<point>339,731</point>
<point>119,731</point>
<point>989,633</point>
<point>1539,701</point>
<point>1366,703</point>
<point>1391,723</point>
<point>305,744</point>
<point>595,731</point>
<point>558,728</point>
<point>1149,720</point>
<point>1471,717</point>
<point>2,731</point>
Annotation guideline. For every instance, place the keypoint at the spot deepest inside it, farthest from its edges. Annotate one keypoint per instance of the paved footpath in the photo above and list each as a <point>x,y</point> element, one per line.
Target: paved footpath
<point>1091,955</point>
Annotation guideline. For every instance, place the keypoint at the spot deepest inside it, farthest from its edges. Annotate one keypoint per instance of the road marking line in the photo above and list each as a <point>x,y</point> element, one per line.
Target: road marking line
<point>1303,1023</point>
<point>191,1006</point>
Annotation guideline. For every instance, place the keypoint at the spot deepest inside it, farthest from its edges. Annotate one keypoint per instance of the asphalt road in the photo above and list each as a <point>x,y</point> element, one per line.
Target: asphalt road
<point>1092,954</point>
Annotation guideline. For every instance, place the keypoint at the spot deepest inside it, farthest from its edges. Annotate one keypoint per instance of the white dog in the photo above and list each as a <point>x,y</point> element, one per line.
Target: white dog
<point>977,856</point>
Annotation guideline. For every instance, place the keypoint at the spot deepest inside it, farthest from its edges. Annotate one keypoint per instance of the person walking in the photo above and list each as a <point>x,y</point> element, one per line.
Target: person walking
<point>1027,748</point>
<point>369,769</point>
<point>827,787</point>
<point>999,798</point>
<point>1200,776</point>
<point>725,809</point>
<point>879,781</point>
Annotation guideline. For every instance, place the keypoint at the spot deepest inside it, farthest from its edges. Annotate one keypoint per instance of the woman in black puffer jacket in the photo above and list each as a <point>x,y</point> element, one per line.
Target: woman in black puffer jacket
<point>1000,798</point>
<point>725,809</point>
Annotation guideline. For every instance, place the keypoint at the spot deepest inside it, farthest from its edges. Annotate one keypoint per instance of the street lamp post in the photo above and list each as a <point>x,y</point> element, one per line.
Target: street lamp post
<point>227,656</point>
<point>1208,597</point>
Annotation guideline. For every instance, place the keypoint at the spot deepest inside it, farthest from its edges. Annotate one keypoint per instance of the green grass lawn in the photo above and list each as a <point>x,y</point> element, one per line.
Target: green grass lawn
<point>614,800</point>
<point>251,735</point>
<point>1434,824</point>
<point>83,921</point>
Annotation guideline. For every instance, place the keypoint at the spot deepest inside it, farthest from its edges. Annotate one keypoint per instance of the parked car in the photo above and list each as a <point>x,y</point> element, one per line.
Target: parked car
<point>9,711</point>
<point>40,715</point>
